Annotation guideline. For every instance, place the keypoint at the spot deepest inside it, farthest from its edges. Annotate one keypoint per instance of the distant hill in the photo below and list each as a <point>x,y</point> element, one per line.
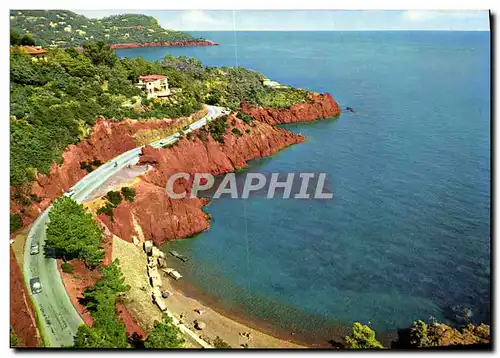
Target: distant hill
<point>65,28</point>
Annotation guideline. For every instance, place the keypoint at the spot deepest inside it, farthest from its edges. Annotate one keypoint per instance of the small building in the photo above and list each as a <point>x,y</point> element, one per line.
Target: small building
<point>154,85</point>
<point>272,84</point>
<point>35,52</point>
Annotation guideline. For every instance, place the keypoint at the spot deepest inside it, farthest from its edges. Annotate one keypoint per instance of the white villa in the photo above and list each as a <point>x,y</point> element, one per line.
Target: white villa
<point>155,85</point>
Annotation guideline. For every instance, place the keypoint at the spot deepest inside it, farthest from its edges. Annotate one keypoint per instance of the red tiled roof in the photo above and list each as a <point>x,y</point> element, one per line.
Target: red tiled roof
<point>32,50</point>
<point>150,78</point>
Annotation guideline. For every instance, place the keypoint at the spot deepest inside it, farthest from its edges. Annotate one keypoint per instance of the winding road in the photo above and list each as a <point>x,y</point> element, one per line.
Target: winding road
<point>57,315</point>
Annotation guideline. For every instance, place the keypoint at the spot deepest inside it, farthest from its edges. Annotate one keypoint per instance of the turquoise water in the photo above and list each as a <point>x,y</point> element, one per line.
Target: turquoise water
<point>407,234</point>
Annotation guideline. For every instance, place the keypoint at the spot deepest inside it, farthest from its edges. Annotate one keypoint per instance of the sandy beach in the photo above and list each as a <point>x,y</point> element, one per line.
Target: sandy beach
<point>185,308</point>
<point>237,334</point>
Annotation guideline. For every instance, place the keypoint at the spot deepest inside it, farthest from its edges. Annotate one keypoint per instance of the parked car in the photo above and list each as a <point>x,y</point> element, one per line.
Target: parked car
<point>36,285</point>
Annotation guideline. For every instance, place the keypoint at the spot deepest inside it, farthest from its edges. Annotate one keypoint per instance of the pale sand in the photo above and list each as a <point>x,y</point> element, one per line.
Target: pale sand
<point>139,303</point>
<point>217,324</point>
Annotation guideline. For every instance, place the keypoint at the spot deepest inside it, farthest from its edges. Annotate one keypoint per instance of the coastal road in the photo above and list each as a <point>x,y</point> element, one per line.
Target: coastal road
<point>58,316</point>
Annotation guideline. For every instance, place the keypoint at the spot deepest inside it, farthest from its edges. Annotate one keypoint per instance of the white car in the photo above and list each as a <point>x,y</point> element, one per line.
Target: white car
<point>69,193</point>
<point>34,249</point>
<point>36,285</point>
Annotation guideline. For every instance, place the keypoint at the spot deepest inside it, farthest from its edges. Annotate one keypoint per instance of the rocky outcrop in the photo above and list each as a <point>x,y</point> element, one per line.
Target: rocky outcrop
<point>319,106</point>
<point>108,139</point>
<point>165,44</point>
<point>163,218</point>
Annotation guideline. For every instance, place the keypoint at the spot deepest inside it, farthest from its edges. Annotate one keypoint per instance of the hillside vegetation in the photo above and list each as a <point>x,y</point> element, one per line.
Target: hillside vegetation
<point>66,28</point>
<point>55,103</point>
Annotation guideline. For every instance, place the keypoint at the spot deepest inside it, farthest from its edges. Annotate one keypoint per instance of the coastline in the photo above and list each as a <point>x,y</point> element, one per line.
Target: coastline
<point>165,44</point>
<point>227,324</point>
<point>187,294</point>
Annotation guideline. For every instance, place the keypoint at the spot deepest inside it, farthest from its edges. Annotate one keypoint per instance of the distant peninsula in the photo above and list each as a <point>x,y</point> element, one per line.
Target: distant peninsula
<point>62,28</point>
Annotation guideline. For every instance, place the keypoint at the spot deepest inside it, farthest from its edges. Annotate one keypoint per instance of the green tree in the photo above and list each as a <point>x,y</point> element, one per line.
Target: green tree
<point>164,335</point>
<point>128,193</point>
<point>15,38</point>
<point>99,53</point>
<point>114,197</point>
<point>100,301</point>
<point>27,40</point>
<point>91,337</point>
<point>73,232</point>
<point>362,337</point>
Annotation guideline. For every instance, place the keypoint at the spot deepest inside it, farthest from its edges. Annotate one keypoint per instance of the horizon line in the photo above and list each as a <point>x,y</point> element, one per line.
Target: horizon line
<point>341,30</point>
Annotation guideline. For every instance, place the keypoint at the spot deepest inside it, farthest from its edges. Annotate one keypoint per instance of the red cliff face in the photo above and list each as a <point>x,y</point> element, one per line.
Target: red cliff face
<point>320,106</point>
<point>162,218</point>
<point>165,44</point>
<point>22,313</point>
<point>108,139</point>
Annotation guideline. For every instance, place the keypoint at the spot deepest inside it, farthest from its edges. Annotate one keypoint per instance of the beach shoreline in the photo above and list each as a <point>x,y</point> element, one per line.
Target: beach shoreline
<point>187,296</point>
<point>186,300</point>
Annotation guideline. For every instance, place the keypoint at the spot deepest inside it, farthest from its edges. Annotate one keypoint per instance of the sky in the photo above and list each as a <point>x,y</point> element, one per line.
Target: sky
<point>283,20</point>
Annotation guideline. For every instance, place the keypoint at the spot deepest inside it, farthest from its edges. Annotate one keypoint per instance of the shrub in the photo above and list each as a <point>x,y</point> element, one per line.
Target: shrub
<point>16,222</point>
<point>35,198</point>
<point>362,337</point>
<point>244,117</point>
<point>89,167</point>
<point>114,197</point>
<point>100,301</point>
<point>106,209</point>
<point>128,193</point>
<point>237,132</point>
<point>164,335</point>
<point>14,340</point>
<point>247,131</point>
<point>67,267</point>
<point>217,128</point>
<point>220,343</point>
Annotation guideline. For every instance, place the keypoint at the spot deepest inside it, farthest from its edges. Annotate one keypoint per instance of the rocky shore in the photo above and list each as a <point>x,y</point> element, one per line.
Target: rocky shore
<point>109,139</point>
<point>165,44</point>
<point>153,214</point>
<point>319,106</point>
<point>163,218</point>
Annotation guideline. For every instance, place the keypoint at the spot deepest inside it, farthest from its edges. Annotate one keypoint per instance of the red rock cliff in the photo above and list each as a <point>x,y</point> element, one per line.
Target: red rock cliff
<point>22,313</point>
<point>162,218</point>
<point>108,139</point>
<point>320,106</point>
<point>165,44</point>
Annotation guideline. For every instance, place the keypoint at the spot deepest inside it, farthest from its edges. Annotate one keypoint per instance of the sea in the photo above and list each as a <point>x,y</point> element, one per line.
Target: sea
<point>407,233</point>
